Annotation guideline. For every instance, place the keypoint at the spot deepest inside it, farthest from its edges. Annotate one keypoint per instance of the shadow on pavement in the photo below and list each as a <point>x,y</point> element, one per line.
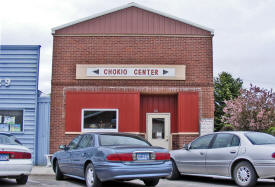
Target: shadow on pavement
<point>107,184</point>
<point>222,182</point>
<point>7,182</point>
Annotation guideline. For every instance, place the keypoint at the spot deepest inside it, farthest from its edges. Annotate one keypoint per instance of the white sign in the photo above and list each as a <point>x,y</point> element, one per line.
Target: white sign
<point>131,72</point>
<point>7,82</point>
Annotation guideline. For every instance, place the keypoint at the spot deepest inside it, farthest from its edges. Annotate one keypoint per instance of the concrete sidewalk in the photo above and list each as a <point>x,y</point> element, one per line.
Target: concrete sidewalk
<point>42,170</point>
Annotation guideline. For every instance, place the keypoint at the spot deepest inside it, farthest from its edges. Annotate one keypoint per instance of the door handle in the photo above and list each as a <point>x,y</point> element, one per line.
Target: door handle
<point>84,154</point>
<point>201,153</point>
<point>233,151</point>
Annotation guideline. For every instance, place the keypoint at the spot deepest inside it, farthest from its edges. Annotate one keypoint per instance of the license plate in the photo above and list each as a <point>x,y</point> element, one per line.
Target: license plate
<point>4,157</point>
<point>143,156</point>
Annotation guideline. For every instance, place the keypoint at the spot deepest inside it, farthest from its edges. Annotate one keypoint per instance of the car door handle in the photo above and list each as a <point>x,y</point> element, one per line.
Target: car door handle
<point>233,152</point>
<point>84,154</point>
<point>201,153</point>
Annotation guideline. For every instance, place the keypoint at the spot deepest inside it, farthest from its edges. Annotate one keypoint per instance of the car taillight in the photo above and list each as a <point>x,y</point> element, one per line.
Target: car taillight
<point>162,156</point>
<point>273,155</point>
<point>20,155</point>
<point>120,157</point>
<point>17,155</point>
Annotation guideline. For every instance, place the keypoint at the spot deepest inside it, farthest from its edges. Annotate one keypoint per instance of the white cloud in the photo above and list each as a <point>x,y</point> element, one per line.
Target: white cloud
<point>244,40</point>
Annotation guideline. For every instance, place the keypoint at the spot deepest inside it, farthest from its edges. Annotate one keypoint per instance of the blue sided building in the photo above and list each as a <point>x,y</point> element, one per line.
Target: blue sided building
<point>19,97</point>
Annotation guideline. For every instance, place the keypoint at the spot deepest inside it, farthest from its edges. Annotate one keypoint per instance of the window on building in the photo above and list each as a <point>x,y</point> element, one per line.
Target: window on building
<point>11,120</point>
<point>100,120</point>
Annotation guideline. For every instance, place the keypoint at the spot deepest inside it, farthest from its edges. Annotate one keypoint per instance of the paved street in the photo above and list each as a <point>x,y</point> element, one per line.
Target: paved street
<point>183,182</point>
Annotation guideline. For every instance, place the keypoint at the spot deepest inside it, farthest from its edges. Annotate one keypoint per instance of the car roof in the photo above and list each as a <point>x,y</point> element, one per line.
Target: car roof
<point>237,132</point>
<point>1,133</point>
<point>119,134</point>
<point>111,133</point>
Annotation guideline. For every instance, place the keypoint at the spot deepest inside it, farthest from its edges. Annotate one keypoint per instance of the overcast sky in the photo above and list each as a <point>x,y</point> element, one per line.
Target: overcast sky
<point>244,41</point>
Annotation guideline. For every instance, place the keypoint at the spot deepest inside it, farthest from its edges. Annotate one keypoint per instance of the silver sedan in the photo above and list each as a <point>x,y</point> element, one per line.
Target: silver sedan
<point>242,156</point>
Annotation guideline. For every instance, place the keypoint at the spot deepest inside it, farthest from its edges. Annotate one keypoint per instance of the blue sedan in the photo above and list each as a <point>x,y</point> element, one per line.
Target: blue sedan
<point>100,157</point>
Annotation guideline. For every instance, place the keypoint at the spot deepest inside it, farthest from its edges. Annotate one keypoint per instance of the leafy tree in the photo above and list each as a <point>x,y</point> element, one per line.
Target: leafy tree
<point>253,110</point>
<point>225,88</point>
<point>271,131</point>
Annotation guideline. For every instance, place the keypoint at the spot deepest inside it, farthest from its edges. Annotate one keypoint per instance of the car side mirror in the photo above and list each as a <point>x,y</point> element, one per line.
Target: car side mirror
<point>63,147</point>
<point>186,146</point>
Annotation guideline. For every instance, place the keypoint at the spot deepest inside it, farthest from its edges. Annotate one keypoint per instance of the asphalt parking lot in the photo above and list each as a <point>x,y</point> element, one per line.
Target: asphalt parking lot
<point>46,181</point>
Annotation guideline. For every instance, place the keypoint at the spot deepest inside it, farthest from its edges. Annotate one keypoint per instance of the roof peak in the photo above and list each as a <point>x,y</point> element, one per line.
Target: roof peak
<point>131,4</point>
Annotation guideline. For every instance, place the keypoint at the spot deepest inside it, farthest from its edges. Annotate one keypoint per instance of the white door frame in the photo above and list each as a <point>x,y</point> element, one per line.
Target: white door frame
<point>168,126</point>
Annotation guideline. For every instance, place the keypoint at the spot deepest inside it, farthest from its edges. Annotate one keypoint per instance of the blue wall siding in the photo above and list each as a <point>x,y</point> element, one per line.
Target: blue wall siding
<point>43,130</point>
<point>20,64</point>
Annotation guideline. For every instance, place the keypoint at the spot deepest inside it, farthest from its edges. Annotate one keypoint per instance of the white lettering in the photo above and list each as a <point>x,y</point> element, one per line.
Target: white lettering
<point>128,72</point>
<point>7,82</point>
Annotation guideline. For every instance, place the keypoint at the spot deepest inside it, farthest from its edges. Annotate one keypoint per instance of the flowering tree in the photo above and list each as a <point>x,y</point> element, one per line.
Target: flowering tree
<point>225,88</point>
<point>253,110</point>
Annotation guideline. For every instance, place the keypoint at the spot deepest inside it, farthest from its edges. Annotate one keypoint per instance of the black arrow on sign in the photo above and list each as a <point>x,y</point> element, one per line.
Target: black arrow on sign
<point>96,71</point>
<point>165,72</point>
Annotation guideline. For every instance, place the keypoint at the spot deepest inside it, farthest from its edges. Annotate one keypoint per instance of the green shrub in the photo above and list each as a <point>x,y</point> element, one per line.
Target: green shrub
<point>228,127</point>
<point>271,131</point>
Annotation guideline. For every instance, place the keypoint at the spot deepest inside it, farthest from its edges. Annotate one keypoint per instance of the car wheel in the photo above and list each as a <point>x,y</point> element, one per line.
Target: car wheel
<point>175,174</point>
<point>244,174</point>
<point>151,182</point>
<point>91,178</point>
<point>22,179</point>
<point>58,174</point>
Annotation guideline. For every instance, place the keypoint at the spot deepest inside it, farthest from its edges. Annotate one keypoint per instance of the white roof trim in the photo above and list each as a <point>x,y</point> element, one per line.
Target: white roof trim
<point>127,6</point>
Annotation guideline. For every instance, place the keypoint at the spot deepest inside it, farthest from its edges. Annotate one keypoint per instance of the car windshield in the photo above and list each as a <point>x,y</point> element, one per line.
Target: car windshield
<point>257,138</point>
<point>8,140</point>
<point>110,140</point>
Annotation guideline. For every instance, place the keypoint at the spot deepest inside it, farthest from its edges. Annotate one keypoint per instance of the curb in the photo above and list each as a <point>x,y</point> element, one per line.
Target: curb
<point>39,171</point>
<point>41,174</point>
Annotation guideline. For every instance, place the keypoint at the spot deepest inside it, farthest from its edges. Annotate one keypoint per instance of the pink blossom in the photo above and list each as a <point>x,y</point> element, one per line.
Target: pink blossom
<point>254,110</point>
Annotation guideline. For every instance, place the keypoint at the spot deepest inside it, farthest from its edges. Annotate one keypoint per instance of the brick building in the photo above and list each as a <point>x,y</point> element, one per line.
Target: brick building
<point>132,69</point>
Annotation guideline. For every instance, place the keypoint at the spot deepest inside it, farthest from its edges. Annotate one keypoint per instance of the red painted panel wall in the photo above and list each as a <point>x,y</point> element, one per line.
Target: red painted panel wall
<point>128,105</point>
<point>159,104</point>
<point>188,112</point>
<point>132,21</point>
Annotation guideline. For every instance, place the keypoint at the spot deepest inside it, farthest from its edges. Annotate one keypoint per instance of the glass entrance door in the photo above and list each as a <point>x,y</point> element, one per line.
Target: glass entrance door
<point>158,129</point>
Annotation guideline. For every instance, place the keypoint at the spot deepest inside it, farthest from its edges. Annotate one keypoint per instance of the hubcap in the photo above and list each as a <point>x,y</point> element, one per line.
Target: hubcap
<point>90,177</point>
<point>243,174</point>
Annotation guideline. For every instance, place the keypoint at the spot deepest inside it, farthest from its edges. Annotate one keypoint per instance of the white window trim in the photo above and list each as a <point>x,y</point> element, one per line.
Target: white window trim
<point>98,130</point>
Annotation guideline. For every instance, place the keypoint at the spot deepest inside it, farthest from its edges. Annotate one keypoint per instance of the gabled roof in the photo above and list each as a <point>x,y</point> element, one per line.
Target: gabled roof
<point>128,6</point>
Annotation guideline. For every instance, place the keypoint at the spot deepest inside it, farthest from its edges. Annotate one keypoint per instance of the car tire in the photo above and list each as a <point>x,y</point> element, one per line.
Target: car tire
<point>175,174</point>
<point>58,174</point>
<point>244,174</point>
<point>91,178</point>
<point>22,179</point>
<point>151,182</point>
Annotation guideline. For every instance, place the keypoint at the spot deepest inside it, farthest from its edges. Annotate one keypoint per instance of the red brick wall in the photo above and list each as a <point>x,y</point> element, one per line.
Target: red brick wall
<point>178,140</point>
<point>194,52</point>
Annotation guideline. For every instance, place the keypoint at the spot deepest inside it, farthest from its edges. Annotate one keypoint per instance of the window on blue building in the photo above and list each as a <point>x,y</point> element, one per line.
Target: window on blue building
<point>11,120</point>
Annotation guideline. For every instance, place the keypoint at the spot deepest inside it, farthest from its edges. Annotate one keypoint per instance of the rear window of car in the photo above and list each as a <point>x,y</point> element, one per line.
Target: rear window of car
<point>257,138</point>
<point>112,140</point>
<point>8,140</point>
